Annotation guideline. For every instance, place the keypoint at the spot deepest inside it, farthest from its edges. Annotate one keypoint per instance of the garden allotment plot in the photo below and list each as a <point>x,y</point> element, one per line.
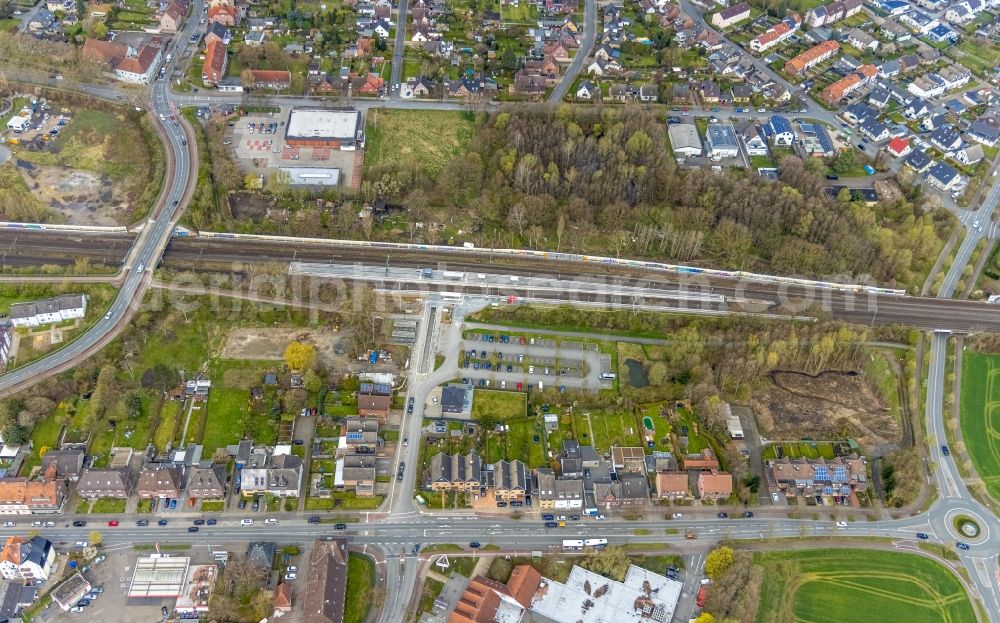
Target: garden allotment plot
<point>980,416</point>
<point>858,586</point>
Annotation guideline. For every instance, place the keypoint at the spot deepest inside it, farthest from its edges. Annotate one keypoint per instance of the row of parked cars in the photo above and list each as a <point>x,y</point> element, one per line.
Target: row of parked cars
<point>88,599</point>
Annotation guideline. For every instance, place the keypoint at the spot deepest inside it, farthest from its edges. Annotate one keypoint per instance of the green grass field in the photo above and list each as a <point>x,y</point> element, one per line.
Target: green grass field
<point>502,405</point>
<point>980,416</point>
<point>404,137</point>
<point>848,586</point>
<point>360,577</point>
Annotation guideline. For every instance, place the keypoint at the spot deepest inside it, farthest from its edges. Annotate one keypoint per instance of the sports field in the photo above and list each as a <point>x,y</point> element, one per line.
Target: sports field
<point>980,416</point>
<point>858,585</point>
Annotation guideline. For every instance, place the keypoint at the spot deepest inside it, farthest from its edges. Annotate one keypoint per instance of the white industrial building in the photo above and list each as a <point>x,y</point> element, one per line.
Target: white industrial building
<point>722,141</point>
<point>315,127</point>
<point>314,177</point>
<point>684,139</point>
<point>158,576</point>
<point>587,597</point>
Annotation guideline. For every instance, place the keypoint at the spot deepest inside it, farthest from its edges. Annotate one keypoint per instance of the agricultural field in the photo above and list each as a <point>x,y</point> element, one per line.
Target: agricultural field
<point>848,586</point>
<point>979,413</point>
<point>408,137</point>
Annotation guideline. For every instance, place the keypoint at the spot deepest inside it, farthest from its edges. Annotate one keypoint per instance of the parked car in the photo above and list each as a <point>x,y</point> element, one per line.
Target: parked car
<point>723,515</point>
<point>551,524</point>
<point>841,524</point>
<point>161,522</point>
<point>212,522</point>
<point>199,522</point>
<point>246,521</point>
<point>113,523</point>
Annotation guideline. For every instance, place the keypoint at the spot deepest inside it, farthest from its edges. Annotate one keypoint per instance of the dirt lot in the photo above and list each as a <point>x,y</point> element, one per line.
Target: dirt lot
<point>83,197</point>
<point>270,343</point>
<point>831,405</point>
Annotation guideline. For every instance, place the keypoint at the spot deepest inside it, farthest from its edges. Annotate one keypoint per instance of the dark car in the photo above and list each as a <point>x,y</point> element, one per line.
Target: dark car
<point>199,522</point>
<point>723,515</point>
<point>79,523</point>
<point>748,514</point>
<point>161,522</point>
<point>474,544</point>
<point>298,442</point>
<point>831,176</point>
<point>212,522</point>
<point>340,526</point>
<point>409,407</point>
<point>399,474</point>
<point>314,519</point>
<point>961,545</point>
<point>193,529</point>
<point>243,503</point>
<point>945,451</point>
<point>548,517</point>
<point>142,523</point>
<point>922,535</point>
<point>551,524</point>
<point>574,517</point>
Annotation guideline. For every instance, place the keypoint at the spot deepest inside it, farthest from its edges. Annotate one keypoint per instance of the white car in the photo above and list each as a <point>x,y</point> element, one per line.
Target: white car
<point>142,267</point>
<point>292,569</point>
<point>9,524</point>
<point>246,522</point>
<point>290,576</point>
<point>677,516</point>
<point>36,524</point>
<point>270,521</point>
<point>841,524</point>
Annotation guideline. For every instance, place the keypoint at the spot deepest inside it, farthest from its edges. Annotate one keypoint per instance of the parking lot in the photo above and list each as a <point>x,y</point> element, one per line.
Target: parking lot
<point>510,362</point>
<point>258,144</point>
<point>113,575</point>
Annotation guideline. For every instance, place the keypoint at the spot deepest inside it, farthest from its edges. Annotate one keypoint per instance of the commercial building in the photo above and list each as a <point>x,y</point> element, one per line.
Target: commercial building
<point>312,177</point>
<point>158,576</point>
<point>19,496</point>
<point>722,141</point>
<point>197,589</point>
<point>558,493</point>
<point>313,127</point>
<point>71,591</point>
<point>812,56</point>
<point>129,64</point>
<point>684,139</point>
<point>587,597</point>
<point>58,309</point>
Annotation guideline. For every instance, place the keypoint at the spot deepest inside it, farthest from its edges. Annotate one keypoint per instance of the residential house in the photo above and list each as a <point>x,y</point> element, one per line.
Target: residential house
<point>649,93</point>
<point>42,20</point>
<point>754,141</point>
<point>170,19</point>
<point>27,559</point>
<point>160,481</point>
<point>207,482</point>
<point>529,85</point>
<point>218,32</point>
<point>455,472</point>
<point>874,130</point>
<point>511,480</point>
<point>369,84</point>
<point>776,34</point>
<point>103,483</point>
<point>271,79</point>
<point>588,91</point>
<point>832,12</point>
<point>779,129</point>
<point>485,600</point>
<point>731,15</point>
<point>604,68</point>
<point>838,477</point>
<point>811,57</point>
<point>357,472</point>
<point>862,40</point>
<point>710,92</point>
<point>985,131</point>
<point>741,93</point>
<point>848,84</point>
<point>918,21</point>
<point>280,475</point>
<point>629,491</point>
<point>628,460</point>
<point>942,34</point>
<point>360,436</point>
<point>214,67</point>
<point>571,459</point>
<point>892,31</point>
<point>916,109</point>
<point>879,97</point>
<point>946,139</point>
<point>935,122</point>
<point>919,161</point>
<point>672,485</point>
<point>558,493</point>
<point>715,485</point>
<point>326,582</point>
<point>283,598</point>
<point>558,51</point>
<point>225,14</point>
<point>261,553</point>
<point>68,462</point>
<point>898,147</point>
<point>970,154</point>
<point>374,406</point>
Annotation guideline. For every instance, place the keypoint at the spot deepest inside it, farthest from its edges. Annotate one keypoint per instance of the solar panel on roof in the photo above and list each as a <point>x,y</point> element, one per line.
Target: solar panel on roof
<point>355,436</point>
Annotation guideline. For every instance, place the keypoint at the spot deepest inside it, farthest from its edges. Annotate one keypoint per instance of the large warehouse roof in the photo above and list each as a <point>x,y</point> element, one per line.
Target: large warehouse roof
<point>158,577</point>
<point>721,136</point>
<point>323,124</point>
<point>684,136</point>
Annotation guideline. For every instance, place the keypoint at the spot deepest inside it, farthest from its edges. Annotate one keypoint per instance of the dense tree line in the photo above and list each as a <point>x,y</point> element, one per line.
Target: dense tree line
<point>602,180</point>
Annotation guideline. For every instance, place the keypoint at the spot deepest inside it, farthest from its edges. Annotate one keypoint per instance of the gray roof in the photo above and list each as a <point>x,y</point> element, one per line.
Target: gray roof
<point>456,468</point>
<point>69,461</point>
<point>47,306</point>
<point>261,553</point>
